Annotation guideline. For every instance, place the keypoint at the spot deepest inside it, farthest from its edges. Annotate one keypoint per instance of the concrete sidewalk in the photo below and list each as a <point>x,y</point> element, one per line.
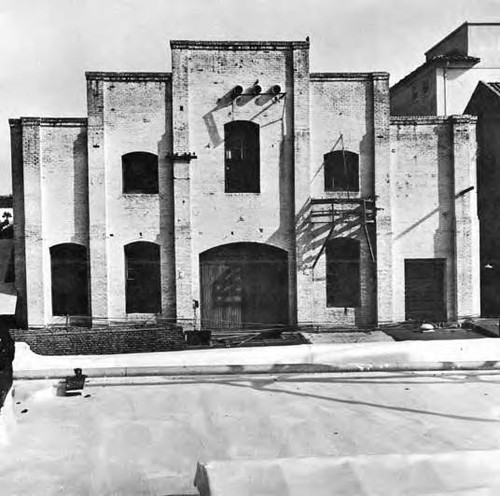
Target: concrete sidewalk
<point>383,356</point>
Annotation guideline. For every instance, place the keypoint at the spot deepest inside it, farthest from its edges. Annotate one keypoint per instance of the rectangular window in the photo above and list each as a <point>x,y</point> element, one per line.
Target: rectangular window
<point>242,157</point>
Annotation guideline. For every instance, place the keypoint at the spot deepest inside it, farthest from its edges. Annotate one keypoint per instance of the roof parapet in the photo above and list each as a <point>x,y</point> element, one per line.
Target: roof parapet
<point>49,121</point>
<point>128,76</point>
<point>238,45</point>
<point>338,76</point>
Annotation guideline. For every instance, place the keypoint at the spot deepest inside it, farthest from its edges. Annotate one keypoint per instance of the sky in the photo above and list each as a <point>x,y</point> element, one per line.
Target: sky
<point>47,45</point>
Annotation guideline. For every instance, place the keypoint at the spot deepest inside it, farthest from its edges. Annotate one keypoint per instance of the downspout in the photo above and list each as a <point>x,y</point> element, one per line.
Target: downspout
<point>445,76</point>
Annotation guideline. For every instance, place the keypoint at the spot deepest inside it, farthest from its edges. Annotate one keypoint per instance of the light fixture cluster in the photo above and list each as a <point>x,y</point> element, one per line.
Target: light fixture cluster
<point>256,89</point>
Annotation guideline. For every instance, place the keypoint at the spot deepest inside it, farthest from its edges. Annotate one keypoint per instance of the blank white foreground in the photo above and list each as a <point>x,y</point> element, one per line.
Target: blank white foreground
<point>145,435</point>
<point>455,473</point>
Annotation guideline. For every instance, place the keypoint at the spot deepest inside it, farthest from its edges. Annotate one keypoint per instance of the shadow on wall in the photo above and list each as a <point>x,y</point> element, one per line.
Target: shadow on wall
<point>286,171</point>
<point>446,207</point>
<point>81,190</point>
<point>312,236</point>
<point>166,196</point>
<point>229,100</point>
<point>209,120</point>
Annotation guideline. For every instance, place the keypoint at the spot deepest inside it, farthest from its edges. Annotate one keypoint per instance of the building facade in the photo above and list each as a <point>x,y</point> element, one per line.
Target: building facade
<point>240,190</point>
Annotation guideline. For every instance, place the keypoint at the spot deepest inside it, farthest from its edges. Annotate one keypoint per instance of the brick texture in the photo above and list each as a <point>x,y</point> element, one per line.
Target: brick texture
<point>109,340</point>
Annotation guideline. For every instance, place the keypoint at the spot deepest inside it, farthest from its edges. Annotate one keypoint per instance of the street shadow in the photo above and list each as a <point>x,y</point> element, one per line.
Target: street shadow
<point>450,416</point>
<point>262,384</point>
<point>405,378</point>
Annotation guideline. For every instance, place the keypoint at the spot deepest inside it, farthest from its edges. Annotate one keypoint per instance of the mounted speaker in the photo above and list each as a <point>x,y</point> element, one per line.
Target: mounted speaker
<point>236,91</point>
<point>276,89</point>
<point>256,89</point>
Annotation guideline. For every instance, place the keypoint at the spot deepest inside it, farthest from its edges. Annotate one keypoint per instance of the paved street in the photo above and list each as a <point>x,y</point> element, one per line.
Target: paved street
<point>145,435</point>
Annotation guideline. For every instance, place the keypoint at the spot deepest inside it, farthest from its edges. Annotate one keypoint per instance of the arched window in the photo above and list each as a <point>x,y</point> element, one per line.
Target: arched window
<point>140,173</point>
<point>143,285</point>
<point>69,269</point>
<point>342,273</point>
<point>341,171</point>
<point>242,157</point>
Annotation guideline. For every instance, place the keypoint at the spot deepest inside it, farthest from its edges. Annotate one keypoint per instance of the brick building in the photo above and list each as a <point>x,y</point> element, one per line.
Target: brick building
<point>242,190</point>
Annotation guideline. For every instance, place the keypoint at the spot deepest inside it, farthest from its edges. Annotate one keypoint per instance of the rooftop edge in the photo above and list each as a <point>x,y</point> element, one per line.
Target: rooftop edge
<point>128,76</point>
<point>465,24</point>
<point>238,45</point>
<point>319,76</point>
<point>50,121</point>
<point>431,119</point>
<point>454,58</point>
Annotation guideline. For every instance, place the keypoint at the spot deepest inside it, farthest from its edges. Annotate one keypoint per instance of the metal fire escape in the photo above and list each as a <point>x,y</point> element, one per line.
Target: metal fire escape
<point>361,209</point>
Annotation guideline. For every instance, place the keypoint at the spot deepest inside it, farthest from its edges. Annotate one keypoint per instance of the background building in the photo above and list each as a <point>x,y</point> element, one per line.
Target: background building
<point>241,190</point>
<point>460,76</point>
<point>485,104</point>
<point>443,84</point>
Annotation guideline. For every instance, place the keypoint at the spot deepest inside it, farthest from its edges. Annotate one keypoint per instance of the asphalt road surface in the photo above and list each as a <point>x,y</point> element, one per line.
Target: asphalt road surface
<point>144,436</point>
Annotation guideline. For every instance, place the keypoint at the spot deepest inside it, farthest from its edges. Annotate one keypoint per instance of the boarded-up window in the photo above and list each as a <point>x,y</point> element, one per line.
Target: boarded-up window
<point>242,157</point>
<point>425,289</point>
<point>140,173</point>
<point>341,171</point>
<point>342,273</point>
<point>143,284</point>
<point>69,270</point>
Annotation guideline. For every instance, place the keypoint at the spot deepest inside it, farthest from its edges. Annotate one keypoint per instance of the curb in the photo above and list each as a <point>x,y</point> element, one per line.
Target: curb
<point>293,368</point>
<point>483,354</point>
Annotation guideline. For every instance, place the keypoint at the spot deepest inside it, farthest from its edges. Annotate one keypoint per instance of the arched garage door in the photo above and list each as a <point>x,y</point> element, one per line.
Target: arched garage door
<point>244,285</point>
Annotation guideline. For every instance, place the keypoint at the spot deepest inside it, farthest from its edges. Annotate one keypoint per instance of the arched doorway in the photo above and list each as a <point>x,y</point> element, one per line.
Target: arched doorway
<point>69,269</point>
<point>244,285</point>
<point>143,285</point>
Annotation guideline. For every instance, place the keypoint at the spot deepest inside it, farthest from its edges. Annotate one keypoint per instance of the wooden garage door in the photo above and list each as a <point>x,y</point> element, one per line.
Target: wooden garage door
<point>425,289</point>
<point>244,285</point>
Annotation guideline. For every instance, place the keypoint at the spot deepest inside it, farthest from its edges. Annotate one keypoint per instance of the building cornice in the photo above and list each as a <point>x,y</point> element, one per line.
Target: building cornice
<point>463,119</point>
<point>128,76</point>
<point>238,45</point>
<point>416,120</point>
<point>338,76</point>
<point>50,121</point>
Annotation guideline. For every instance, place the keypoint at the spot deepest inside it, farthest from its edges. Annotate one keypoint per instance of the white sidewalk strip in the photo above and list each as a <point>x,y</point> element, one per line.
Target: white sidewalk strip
<point>406,355</point>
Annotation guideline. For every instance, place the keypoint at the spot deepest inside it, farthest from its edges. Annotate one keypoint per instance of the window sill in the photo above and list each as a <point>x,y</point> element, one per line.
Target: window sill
<point>343,307</point>
<point>342,194</point>
<point>139,194</point>
<point>241,193</point>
